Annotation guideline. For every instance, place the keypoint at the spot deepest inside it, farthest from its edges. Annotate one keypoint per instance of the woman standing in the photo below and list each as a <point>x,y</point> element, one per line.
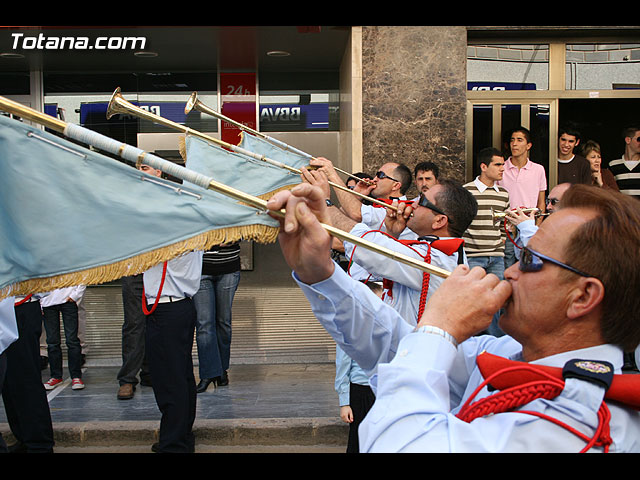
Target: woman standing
<point>602,177</point>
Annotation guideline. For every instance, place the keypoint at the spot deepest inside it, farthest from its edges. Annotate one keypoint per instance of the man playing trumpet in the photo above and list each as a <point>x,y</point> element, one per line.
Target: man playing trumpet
<point>572,296</point>
<point>390,182</point>
<point>438,218</point>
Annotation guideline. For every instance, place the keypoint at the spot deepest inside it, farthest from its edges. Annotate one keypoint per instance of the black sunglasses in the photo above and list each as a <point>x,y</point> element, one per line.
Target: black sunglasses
<point>380,174</point>
<point>423,202</point>
<point>552,201</point>
<point>532,261</point>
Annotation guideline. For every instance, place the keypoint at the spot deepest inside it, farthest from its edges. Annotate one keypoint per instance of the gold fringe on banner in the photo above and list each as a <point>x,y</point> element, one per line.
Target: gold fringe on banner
<point>142,262</point>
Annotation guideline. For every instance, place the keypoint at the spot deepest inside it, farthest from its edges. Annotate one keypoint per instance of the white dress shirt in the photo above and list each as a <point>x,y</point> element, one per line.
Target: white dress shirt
<point>61,295</point>
<point>407,280</point>
<point>182,278</point>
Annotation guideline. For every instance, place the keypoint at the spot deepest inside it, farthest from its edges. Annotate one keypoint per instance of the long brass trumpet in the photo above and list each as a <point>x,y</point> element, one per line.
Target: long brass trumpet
<point>118,105</point>
<point>193,103</point>
<point>130,153</point>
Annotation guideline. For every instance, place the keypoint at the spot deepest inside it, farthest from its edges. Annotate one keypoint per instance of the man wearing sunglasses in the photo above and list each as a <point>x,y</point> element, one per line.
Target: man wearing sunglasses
<point>626,170</point>
<point>442,213</point>
<point>571,303</point>
<point>391,181</point>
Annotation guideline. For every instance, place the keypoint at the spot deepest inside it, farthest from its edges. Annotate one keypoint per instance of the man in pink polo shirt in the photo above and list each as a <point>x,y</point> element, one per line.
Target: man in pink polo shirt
<point>525,180</point>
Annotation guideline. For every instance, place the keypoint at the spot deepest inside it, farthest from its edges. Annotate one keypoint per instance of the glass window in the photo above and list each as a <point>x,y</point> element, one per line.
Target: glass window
<point>83,99</point>
<point>508,67</point>
<point>298,111</point>
<point>299,101</point>
<point>602,66</point>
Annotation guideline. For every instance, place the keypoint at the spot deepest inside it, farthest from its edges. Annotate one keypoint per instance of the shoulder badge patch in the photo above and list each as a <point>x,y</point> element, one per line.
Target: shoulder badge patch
<point>600,373</point>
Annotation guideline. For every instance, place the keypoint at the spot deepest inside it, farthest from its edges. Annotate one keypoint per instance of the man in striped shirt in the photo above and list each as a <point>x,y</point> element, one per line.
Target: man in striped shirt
<point>484,239</point>
<point>626,170</point>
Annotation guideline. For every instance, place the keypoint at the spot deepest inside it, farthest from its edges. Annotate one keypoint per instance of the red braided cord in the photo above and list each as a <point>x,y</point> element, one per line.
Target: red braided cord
<point>601,437</point>
<point>514,397</point>
<point>425,285</point>
<point>144,298</point>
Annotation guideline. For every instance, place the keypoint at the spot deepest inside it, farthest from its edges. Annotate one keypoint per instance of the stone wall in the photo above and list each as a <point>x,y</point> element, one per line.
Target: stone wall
<point>414,97</point>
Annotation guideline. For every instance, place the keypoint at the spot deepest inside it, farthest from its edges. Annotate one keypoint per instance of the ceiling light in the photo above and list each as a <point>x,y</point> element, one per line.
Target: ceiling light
<point>278,53</point>
<point>11,55</point>
<point>143,54</point>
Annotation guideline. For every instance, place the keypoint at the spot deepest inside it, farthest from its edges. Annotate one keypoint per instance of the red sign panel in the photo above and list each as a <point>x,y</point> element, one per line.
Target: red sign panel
<point>233,87</point>
<point>241,112</point>
<point>237,84</point>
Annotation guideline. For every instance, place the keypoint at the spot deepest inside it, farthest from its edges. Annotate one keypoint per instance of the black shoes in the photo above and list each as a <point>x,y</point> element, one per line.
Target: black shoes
<point>223,380</point>
<point>204,384</point>
<point>155,448</point>
<point>220,381</point>
<point>20,447</point>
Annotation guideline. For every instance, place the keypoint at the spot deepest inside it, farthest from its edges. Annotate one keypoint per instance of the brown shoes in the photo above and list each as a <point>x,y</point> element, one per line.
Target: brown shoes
<point>125,392</point>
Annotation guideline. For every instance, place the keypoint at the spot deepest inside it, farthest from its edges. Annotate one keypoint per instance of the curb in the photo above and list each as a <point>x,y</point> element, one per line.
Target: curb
<point>223,432</point>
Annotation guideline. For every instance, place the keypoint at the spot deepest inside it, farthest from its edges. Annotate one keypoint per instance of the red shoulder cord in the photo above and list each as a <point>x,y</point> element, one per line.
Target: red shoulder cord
<point>144,298</point>
<point>388,284</point>
<point>506,230</point>
<point>539,385</point>
<point>23,300</point>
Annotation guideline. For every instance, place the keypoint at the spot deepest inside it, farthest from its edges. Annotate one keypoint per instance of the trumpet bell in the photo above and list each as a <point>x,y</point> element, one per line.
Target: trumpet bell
<point>114,106</point>
<point>192,102</point>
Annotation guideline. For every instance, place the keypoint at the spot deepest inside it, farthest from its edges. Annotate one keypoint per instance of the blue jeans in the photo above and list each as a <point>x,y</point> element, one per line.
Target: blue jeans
<point>495,265</point>
<point>509,254</point>
<point>213,303</point>
<point>69,312</point>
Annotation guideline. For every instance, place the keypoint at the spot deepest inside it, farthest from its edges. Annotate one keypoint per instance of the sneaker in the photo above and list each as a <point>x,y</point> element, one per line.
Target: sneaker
<point>77,384</point>
<point>52,383</point>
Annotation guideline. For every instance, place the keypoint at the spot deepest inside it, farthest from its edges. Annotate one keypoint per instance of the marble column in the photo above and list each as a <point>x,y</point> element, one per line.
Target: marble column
<point>414,97</point>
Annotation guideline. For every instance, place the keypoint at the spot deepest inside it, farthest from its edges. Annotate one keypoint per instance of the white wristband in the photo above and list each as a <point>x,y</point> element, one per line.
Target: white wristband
<point>438,331</point>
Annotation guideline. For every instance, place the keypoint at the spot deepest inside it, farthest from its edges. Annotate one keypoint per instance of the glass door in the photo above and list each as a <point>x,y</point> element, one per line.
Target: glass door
<point>490,123</point>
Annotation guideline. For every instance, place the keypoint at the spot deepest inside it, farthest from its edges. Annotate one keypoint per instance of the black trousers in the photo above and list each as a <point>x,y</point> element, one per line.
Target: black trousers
<point>361,400</point>
<point>169,342</point>
<point>24,396</point>
<point>133,336</point>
